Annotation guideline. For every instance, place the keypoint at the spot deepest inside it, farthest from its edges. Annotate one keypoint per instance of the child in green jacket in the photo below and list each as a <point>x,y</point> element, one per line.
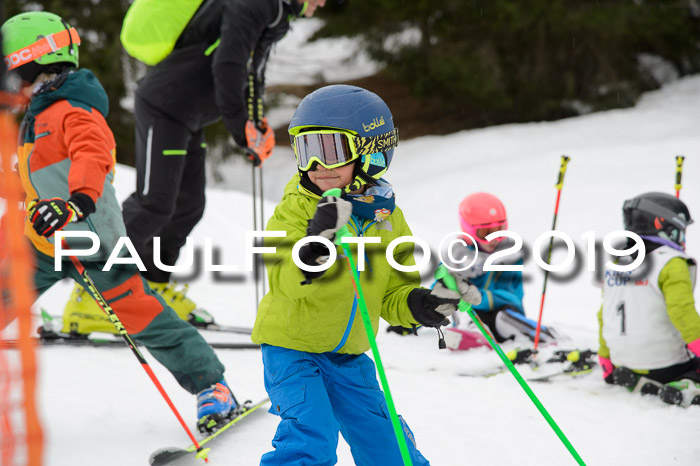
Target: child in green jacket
<point>313,341</point>
<point>649,326</point>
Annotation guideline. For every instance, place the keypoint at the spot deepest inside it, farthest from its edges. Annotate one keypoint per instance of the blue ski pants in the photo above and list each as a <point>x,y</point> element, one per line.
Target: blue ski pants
<point>318,395</point>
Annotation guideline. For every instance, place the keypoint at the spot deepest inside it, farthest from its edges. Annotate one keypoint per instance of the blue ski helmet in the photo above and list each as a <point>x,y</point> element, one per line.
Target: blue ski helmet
<point>356,111</point>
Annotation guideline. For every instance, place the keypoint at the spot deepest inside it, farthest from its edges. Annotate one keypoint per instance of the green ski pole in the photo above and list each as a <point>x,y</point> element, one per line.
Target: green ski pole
<point>396,423</point>
<point>443,274</point>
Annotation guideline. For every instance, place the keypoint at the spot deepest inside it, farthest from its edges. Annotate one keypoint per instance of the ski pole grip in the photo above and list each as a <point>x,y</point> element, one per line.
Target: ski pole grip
<point>343,232</point>
<point>449,281</point>
<point>333,192</point>
<point>679,171</point>
<point>560,179</point>
<point>253,156</point>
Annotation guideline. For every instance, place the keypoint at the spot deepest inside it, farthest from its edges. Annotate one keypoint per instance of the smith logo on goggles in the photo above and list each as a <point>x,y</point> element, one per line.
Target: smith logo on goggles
<point>333,149</point>
<point>38,49</point>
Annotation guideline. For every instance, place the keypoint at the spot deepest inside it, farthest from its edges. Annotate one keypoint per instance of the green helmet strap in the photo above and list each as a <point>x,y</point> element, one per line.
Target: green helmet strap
<point>357,183</point>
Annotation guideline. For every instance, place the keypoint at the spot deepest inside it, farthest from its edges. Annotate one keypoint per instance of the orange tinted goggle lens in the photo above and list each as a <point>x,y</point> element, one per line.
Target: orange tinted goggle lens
<point>482,233</point>
<point>329,149</point>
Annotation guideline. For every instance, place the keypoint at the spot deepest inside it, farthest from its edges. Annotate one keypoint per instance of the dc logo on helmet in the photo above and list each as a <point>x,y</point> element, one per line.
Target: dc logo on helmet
<point>17,57</point>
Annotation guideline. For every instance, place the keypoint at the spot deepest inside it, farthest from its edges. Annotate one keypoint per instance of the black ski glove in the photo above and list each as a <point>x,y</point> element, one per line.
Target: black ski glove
<point>432,307</point>
<point>50,215</point>
<point>332,213</point>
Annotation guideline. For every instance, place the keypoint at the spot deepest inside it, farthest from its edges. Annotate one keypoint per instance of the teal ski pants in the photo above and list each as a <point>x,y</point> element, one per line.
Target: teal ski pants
<point>173,342</point>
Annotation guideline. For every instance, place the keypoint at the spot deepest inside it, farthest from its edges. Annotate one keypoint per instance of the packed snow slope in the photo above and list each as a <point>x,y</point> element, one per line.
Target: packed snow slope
<point>98,407</point>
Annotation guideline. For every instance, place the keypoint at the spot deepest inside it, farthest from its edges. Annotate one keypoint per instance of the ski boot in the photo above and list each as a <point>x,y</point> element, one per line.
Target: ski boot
<point>82,315</point>
<point>525,356</point>
<point>183,306</point>
<point>634,382</point>
<point>580,361</point>
<point>216,406</point>
<point>684,392</point>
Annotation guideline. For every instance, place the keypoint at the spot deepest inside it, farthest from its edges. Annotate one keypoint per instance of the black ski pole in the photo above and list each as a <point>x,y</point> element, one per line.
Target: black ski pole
<point>262,226</point>
<point>255,228</point>
<point>258,223</point>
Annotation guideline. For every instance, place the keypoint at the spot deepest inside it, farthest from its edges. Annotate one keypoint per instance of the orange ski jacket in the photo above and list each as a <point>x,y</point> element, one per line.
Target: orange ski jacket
<point>65,146</point>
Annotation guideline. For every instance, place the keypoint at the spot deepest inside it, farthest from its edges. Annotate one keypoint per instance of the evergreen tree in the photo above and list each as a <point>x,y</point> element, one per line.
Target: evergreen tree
<point>512,60</point>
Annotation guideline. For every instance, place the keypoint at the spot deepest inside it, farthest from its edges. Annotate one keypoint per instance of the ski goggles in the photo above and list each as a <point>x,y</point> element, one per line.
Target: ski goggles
<point>41,47</point>
<point>656,210</point>
<point>333,148</point>
<point>480,232</point>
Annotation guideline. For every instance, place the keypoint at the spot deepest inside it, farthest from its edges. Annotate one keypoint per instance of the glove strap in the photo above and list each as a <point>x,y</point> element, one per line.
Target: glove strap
<point>82,205</point>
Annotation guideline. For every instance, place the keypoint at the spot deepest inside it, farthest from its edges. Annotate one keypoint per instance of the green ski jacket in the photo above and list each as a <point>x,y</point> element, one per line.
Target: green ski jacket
<point>324,316</point>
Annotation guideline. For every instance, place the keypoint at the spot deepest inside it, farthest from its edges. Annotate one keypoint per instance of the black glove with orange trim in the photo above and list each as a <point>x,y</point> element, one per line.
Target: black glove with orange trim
<point>50,215</point>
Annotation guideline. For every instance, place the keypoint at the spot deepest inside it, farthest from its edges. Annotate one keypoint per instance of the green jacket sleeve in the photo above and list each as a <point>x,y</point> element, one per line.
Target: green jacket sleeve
<point>677,288</point>
<point>284,275</point>
<point>395,308</point>
<point>603,350</point>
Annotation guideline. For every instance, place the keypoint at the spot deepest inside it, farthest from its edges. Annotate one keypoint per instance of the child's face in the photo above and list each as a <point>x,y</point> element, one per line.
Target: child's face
<point>311,7</point>
<point>488,247</point>
<point>331,178</point>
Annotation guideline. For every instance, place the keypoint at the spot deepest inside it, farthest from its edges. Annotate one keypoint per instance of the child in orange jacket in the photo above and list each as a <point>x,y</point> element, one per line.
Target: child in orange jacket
<point>66,160</point>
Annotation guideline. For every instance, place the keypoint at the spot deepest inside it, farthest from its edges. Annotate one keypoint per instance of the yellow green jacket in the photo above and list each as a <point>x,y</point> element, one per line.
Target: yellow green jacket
<point>324,316</point>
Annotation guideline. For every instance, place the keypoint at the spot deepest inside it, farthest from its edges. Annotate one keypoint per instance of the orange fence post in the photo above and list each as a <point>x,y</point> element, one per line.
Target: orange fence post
<point>15,281</point>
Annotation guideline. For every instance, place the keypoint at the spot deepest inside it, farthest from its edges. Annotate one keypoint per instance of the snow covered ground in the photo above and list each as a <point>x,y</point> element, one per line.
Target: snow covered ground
<point>99,408</point>
<point>95,401</point>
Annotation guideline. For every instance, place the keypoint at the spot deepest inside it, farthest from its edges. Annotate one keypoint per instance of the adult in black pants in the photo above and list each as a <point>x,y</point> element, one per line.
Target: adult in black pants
<point>216,71</point>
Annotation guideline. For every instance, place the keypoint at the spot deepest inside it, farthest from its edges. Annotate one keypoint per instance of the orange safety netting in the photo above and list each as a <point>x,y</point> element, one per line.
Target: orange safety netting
<point>21,436</point>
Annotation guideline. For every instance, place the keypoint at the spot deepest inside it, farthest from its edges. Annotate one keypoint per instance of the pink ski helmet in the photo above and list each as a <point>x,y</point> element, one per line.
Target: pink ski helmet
<point>481,214</point>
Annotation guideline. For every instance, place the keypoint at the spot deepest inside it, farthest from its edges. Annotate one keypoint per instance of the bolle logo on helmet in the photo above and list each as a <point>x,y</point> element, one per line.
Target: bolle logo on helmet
<point>21,56</point>
<point>376,123</point>
<point>377,159</point>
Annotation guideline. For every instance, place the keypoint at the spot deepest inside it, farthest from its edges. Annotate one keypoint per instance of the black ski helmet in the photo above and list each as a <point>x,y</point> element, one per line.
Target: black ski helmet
<point>657,214</point>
